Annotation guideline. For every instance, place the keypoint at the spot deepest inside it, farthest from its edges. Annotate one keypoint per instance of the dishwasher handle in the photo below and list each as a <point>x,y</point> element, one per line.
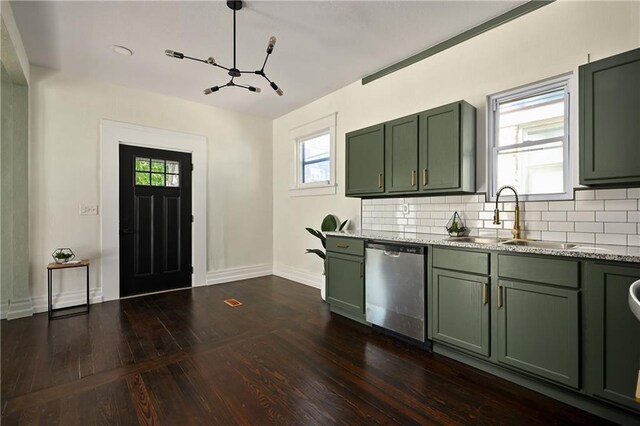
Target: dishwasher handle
<point>395,250</point>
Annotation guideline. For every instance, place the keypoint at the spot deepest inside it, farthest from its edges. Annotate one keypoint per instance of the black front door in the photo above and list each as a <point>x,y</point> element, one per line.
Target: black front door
<point>155,220</point>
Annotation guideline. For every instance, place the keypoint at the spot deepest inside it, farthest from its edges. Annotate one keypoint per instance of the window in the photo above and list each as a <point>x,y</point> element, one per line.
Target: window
<point>529,140</point>
<point>314,157</point>
<point>152,172</point>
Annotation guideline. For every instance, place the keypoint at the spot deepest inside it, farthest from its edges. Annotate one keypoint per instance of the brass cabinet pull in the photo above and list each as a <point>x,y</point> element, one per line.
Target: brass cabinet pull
<point>342,245</point>
<point>361,270</point>
<point>413,178</point>
<point>380,180</point>
<point>499,296</point>
<point>485,289</point>
<point>424,177</point>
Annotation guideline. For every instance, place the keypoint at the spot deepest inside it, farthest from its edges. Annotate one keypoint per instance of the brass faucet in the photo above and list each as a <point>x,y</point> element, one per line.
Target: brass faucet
<point>496,213</point>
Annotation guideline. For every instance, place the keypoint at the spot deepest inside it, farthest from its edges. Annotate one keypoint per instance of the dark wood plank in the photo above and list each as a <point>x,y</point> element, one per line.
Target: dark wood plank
<point>185,357</point>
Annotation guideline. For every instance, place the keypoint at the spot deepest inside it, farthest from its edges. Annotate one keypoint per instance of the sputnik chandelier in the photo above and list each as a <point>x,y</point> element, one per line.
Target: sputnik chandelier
<point>234,72</point>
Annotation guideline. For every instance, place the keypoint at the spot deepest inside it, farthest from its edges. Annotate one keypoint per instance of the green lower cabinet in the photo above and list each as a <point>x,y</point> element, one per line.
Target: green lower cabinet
<point>538,330</point>
<point>345,284</point>
<point>461,310</point>
<point>612,334</point>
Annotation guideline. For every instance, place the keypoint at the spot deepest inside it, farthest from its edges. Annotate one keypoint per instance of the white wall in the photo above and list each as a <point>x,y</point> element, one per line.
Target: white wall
<point>550,41</point>
<point>65,171</point>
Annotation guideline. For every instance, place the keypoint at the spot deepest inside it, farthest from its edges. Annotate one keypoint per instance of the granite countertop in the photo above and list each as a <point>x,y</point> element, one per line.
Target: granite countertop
<point>585,251</point>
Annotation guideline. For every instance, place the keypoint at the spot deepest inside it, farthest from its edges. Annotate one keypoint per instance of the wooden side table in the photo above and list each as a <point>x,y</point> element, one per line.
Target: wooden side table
<point>69,310</point>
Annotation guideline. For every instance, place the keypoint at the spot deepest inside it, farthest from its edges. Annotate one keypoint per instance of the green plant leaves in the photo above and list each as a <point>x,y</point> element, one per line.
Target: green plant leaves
<point>329,224</point>
<point>318,252</point>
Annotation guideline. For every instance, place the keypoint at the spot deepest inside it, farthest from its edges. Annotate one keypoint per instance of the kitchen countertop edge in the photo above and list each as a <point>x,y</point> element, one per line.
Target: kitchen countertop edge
<point>584,251</point>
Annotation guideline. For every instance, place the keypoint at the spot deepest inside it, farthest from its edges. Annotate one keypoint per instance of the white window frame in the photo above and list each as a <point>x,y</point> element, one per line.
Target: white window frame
<point>323,126</point>
<point>564,81</point>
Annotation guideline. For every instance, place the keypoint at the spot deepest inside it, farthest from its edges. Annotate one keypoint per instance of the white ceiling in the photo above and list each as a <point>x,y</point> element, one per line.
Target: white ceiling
<point>322,46</point>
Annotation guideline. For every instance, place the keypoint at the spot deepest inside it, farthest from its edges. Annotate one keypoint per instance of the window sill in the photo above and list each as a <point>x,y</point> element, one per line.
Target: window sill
<point>313,191</point>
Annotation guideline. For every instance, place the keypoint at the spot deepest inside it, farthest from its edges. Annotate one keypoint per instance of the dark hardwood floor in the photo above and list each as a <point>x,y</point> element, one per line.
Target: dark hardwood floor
<point>184,358</point>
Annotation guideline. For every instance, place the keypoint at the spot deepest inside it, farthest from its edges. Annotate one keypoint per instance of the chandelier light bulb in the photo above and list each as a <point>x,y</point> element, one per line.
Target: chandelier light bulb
<point>211,60</point>
<point>174,54</point>
<point>210,90</point>
<point>272,43</point>
<point>254,89</point>
<point>279,92</point>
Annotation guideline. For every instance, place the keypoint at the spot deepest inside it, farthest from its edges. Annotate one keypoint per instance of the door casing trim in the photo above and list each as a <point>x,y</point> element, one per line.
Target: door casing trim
<point>114,133</point>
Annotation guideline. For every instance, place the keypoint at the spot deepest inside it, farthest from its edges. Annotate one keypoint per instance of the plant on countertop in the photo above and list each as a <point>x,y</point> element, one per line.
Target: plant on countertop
<point>329,224</point>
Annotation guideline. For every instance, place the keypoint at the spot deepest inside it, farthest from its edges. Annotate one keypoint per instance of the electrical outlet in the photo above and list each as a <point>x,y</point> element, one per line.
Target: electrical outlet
<point>88,210</point>
<point>405,208</point>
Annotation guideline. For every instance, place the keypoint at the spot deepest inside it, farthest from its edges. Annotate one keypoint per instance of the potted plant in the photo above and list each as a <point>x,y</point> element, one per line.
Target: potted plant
<point>329,224</point>
<point>455,227</point>
<point>63,255</point>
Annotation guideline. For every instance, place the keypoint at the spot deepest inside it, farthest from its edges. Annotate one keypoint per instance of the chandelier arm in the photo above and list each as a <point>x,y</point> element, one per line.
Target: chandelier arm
<point>265,62</point>
<point>195,59</point>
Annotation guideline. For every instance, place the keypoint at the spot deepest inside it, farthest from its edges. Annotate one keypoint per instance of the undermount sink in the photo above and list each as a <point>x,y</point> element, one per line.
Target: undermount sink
<point>634,299</point>
<point>477,240</point>
<point>540,244</point>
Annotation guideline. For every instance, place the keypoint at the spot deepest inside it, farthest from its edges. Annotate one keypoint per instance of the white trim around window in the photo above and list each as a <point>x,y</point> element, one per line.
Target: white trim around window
<point>325,125</point>
<point>564,82</point>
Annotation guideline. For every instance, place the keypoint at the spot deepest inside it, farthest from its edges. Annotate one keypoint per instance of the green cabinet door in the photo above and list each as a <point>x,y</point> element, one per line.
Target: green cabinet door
<point>401,144</point>
<point>345,284</point>
<point>612,334</point>
<point>365,161</point>
<point>460,307</point>
<point>440,149</point>
<point>609,106</point>
<point>538,330</point>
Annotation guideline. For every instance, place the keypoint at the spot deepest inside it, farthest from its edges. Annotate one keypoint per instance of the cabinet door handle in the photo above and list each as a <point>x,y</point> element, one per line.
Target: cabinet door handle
<point>361,270</point>
<point>424,177</point>
<point>413,178</point>
<point>342,245</point>
<point>499,296</point>
<point>380,180</point>
<point>485,290</point>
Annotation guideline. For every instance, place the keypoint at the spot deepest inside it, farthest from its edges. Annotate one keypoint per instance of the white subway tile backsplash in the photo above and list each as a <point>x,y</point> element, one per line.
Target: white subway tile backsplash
<point>581,237</point>
<point>633,240</point>
<point>561,205</point>
<point>554,236</point>
<point>561,226</point>
<point>585,195</point>
<point>611,194</point>
<point>633,193</point>
<point>555,216</point>
<point>615,239</point>
<point>595,227</point>
<point>606,216</point>
<point>581,216</point>
<point>621,205</point>
<point>620,228</point>
<point>603,216</point>
<point>589,205</point>
<point>537,206</point>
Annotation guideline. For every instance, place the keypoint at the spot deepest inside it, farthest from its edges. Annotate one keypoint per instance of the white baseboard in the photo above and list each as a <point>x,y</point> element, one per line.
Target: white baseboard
<point>70,298</point>
<point>237,274</point>
<point>301,276</point>
<point>4,309</point>
<point>20,308</point>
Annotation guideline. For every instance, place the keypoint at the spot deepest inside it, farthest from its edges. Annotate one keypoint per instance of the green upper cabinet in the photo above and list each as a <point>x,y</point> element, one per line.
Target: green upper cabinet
<point>432,152</point>
<point>402,154</point>
<point>612,334</point>
<point>447,149</point>
<point>609,120</point>
<point>365,161</point>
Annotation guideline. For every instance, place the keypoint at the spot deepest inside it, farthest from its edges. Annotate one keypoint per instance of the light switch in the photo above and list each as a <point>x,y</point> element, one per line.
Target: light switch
<point>405,208</point>
<point>88,210</point>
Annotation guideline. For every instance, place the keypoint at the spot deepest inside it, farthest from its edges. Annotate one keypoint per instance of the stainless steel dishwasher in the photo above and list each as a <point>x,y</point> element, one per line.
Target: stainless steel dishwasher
<point>395,288</point>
